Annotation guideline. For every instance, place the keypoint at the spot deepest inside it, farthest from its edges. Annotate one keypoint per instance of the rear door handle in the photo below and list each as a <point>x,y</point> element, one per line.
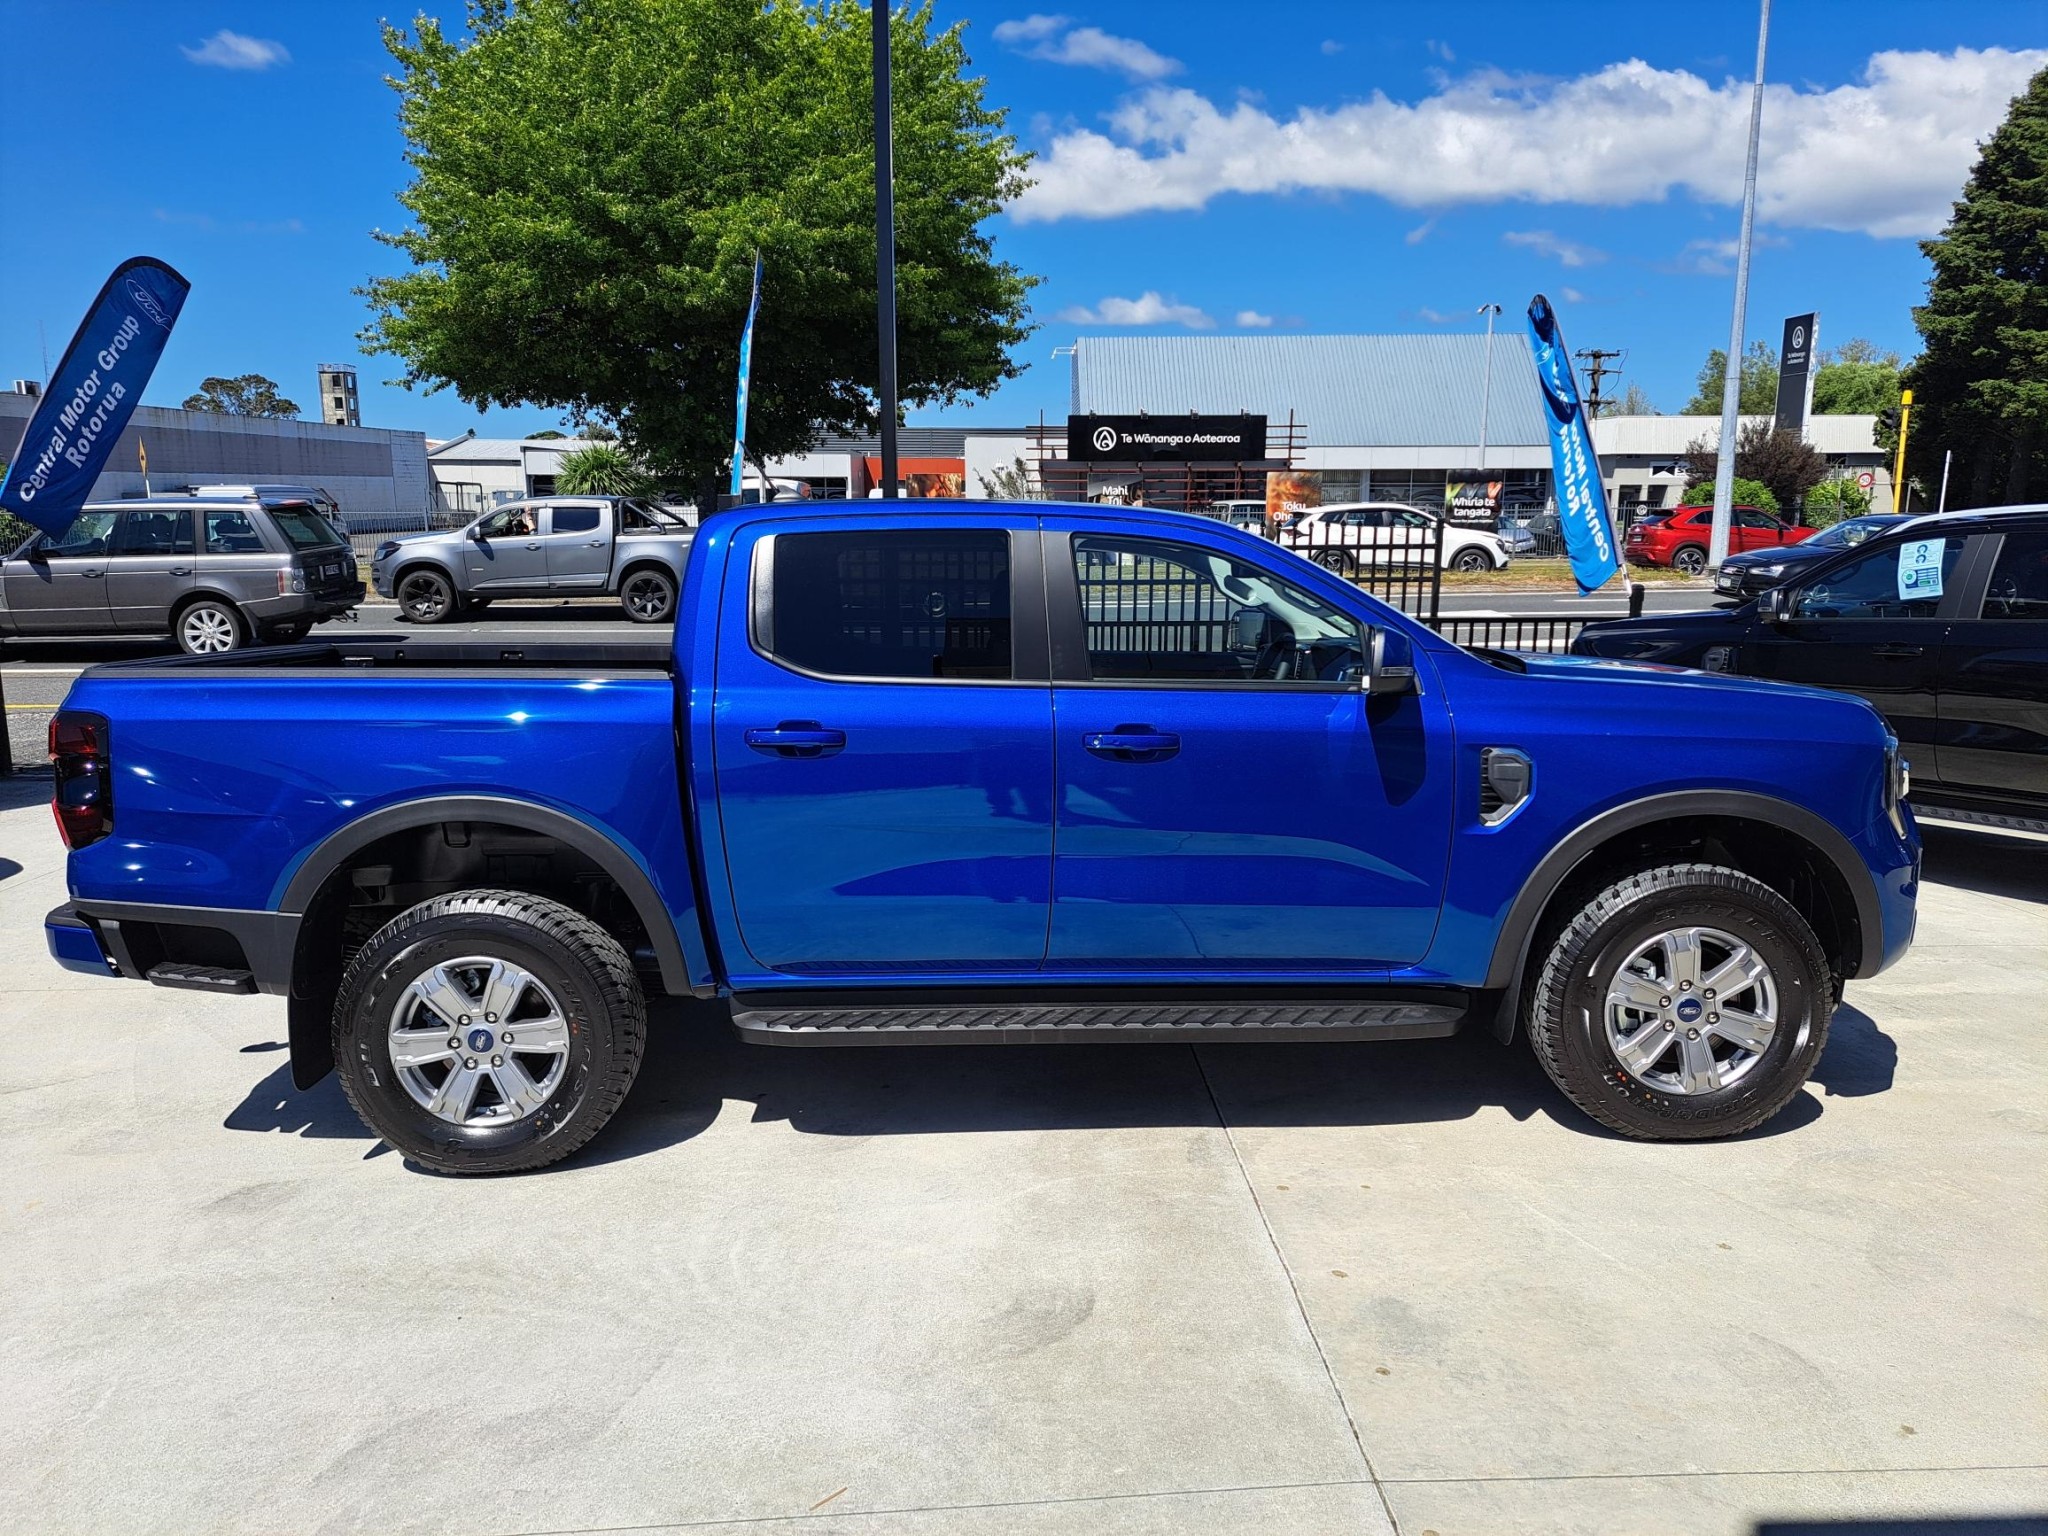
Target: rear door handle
<point>181,570</point>
<point>796,738</point>
<point>595,544</point>
<point>1132,744</point>
<point>1898,650</point>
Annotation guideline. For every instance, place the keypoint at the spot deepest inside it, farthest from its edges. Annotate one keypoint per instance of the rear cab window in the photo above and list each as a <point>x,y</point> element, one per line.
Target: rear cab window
<point>304,528</point>
<point>889,604</point>
<point>575,519</point>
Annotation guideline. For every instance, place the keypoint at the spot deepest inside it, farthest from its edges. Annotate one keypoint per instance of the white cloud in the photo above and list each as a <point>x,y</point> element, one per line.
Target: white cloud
<point>1885,155</point>
<point>1568,252</point>
<point>1252,320</point>
<point>231,50</point>
<point>1419,233</point>
<point>1053,39</point>
<point>1571,295</point>
<point>1712,258</point>
<point>1437,316</point>
<point>1331,47</point>
<point>1441,49</point>
<point>1148,308</point>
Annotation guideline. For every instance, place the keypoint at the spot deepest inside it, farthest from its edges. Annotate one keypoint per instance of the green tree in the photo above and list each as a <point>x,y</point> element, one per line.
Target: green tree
<point>593,178</point>
<point>247,394</point>
<point>1855,379</point>
<point>1980,386</point>
<point>1759,382</point>
<point>601,469</point>
<point>1015,481</point>
<point>1833,500</point>
<point>1635,401</point>
<point>1748,493</point>
<point>1784,464</point>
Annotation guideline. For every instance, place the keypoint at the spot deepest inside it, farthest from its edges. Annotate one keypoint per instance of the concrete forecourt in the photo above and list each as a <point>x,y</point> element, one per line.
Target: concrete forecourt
<point>1250,1288</point>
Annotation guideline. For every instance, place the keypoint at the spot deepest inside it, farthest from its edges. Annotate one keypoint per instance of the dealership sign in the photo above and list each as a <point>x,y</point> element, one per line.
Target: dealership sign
<point>1795,372</point>
<point>1473,499</point>
<point>1574,469</point>
<point>1136,439</point>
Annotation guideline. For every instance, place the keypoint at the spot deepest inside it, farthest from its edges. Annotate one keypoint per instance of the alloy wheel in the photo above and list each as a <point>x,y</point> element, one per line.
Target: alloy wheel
<point>424,598</point>
<point>1691,1011</point>
<point>648,597</point>
<point>478,1041</point>
<point>208,629</point>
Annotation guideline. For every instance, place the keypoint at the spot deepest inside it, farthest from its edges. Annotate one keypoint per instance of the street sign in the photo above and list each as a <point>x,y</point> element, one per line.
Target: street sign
<point>1866,481</point>
<point>1183,439</point>
<point>1795,372</point>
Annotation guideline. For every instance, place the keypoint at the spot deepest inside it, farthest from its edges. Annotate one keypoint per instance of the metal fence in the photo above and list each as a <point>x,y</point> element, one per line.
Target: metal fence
<point>1398,561</point>
<point>366,530</point>
<point>1549,633</point>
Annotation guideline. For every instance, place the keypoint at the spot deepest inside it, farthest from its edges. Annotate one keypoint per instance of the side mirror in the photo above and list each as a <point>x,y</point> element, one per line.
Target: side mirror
<point>1774,605</point>
<point>1389,663</point>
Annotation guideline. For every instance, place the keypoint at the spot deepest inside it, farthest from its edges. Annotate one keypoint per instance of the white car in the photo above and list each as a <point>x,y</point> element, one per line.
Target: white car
<point>1363,533</point>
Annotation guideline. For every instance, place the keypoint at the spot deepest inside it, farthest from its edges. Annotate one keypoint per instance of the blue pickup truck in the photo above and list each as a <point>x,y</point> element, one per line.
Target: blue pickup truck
<point>982,774</point>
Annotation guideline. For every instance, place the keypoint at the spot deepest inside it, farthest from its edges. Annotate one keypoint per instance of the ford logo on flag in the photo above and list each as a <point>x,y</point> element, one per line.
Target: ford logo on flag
<point>147,303</point>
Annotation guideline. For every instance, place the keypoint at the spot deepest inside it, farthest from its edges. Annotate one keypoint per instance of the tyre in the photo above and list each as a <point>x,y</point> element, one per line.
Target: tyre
<point>648,595</point>
<point>1471,561</point>
<point>1682,1003</point>
<point>1689,560</point>
<point>488,1031</point>
<point>209,626</point>
<point>426,596</point>
<point>1338,560</point>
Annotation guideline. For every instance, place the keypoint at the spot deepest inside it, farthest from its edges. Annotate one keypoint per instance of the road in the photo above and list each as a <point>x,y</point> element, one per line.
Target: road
<point>36,673</point>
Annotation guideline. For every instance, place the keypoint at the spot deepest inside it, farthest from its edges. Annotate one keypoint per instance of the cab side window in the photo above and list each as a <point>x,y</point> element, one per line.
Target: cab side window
<point>892,604</point>
<point>153,533</point>
<point>1754,517</point>
<point>575,519</point>
<point>1160,611</point>
<point>1904,580</point>
<point>230,532</point>
<point>509,523</point>
<point>2019,581</point>
<point>86,537</point>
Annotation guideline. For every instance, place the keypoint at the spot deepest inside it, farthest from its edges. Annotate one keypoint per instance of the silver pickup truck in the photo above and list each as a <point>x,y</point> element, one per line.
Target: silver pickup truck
<point>548,546</point>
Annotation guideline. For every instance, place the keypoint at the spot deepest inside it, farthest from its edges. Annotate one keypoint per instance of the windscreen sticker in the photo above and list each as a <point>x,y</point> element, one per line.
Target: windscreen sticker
<point>1920,570</point>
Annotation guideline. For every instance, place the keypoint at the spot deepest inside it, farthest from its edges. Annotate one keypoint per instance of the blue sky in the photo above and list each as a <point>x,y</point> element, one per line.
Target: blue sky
<point>1321,167</point>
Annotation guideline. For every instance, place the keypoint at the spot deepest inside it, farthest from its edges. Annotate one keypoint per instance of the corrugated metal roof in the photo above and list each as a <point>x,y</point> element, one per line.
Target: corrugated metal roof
<point>1352,391</point>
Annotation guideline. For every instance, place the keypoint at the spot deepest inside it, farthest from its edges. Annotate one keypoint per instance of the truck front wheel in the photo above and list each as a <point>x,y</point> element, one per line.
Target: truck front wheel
<point>425,596</point>
<point>488,1031</point>
<point>1684,1002</point>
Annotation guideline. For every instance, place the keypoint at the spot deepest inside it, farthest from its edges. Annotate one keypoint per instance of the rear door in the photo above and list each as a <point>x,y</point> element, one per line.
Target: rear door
<point>1873,625</point>
<point>883,747</point>
<point>579,545</point>
<point>149,567</point>
<point>59,586</point>
<point>1230,801</point>
<point>1994,679</point>
<point>507,554</point>
<point>1753,528</point>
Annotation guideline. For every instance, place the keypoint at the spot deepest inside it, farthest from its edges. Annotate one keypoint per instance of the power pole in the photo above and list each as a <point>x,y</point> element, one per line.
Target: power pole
<point>1731,378</point>
<point>1596,370</point>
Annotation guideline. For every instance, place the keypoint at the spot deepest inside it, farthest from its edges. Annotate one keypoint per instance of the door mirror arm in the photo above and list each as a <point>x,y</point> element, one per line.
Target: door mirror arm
<point>1775,604</point>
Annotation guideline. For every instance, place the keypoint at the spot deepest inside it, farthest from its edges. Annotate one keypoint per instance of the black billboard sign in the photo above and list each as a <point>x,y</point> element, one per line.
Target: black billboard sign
<point>1182,439</point>
<point>1795,371</point>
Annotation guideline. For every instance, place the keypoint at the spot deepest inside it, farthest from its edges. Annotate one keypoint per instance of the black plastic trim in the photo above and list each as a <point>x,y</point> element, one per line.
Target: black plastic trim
<point>267,938</point>
<point>1511,945</point>
<point>524,814</point>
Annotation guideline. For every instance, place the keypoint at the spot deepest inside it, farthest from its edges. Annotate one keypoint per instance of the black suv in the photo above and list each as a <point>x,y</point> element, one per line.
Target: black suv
<point>1941,622</point>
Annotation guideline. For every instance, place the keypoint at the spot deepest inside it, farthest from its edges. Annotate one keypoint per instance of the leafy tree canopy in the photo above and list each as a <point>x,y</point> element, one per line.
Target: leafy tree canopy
<point>1833,500</point>
<point>1635,401</point>
<point>1980,386</point>
<point>247,394</point>
<point>1784,463</point>
<point>592,179</point>
<point>1759,382</point>
<point>600,469</point>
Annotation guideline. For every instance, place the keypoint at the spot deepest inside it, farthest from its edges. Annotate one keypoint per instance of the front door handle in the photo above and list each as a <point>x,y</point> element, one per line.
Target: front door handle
<point>1132,744</point>
<point>534,545</point>
<point>595,544</point>
<point>89,573</point>
<point>181,570</point>
<point>1898,650</point>
<point>796,738</point>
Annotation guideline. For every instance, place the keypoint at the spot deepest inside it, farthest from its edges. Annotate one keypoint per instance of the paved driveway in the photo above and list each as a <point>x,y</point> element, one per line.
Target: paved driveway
<point>1256,1288</point>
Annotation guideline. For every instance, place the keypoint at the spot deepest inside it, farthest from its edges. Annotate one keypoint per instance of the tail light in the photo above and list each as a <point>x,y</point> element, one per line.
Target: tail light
<point>84,800</point>
<point>290,581</point>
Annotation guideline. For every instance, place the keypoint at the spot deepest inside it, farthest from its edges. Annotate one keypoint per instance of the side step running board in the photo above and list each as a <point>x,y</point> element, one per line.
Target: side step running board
<point>201,978</point>
<point>969,1023</point>
<point>1988,821</point>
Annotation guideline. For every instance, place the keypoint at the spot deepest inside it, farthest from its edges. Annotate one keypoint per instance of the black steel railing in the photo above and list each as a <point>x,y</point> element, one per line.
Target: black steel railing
<point>1548,633</point>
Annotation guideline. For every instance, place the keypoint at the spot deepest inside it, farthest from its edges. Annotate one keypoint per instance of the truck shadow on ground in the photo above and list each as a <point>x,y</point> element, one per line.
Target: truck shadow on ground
<point>696,1070</point>
<point>1985,862</point>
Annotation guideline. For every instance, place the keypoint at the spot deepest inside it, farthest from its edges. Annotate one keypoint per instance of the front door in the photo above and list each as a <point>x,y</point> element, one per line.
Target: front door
<point>1872,625</point>
<point>883,749</point>
<point>579,547</point>
<point>507,554</point>
<point>59,586</point>
<point>1230,799</point>
<point>1994,681</point>
<point>150,567</point>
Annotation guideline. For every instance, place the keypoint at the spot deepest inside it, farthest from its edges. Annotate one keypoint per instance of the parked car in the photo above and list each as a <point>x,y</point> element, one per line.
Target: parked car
<point>1940,622</point>
<point>1248,514</point>
<point>1748,574</point>
<point>829,803</point>
<point>1680,538</point>
<point>549,546</point>
<point>1355,535</point>
<point>215,571</point>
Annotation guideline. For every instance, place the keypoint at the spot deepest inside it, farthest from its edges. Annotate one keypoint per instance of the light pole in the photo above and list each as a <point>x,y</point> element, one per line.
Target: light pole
<point>885,245</point>
<point>1731,380</point>
<point>1486,383</point>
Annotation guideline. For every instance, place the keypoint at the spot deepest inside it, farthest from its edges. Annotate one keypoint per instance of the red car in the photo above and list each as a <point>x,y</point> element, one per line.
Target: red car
<point>1679,538</point>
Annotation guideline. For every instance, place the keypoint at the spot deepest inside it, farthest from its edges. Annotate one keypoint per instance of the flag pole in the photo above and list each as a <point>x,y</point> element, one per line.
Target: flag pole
<point>1731,376</point>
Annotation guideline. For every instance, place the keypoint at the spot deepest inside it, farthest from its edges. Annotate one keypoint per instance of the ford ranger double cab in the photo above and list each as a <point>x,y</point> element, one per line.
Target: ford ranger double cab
<point>988,774</point>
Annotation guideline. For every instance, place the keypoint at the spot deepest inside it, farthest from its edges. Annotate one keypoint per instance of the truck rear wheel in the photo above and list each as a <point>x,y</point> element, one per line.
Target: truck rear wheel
<point>488,1031</point>
<point>1685,1002</point>
<point>648,595</point>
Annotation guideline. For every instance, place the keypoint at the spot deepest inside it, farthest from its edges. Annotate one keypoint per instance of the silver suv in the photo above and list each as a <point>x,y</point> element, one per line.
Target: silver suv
<point>214,571</point>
